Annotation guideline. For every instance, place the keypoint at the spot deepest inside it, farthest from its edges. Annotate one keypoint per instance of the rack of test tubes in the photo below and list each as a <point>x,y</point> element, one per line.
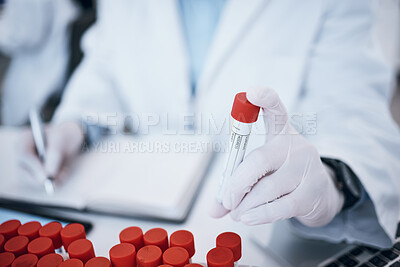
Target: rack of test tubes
<point>52,245</point>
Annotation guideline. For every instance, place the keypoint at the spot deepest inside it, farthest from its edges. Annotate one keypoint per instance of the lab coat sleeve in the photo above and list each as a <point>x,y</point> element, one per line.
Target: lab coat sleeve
<point>349,85</point>
<point>90,95</point>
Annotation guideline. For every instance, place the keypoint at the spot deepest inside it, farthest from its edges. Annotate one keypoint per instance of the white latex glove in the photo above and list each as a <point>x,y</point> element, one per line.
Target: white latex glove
<point>62,143</point>
<point>284,178</point>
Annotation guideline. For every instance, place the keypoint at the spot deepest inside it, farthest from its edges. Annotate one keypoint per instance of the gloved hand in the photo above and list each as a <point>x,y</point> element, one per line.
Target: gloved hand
<point>63,141</point>
<point>284,178</point>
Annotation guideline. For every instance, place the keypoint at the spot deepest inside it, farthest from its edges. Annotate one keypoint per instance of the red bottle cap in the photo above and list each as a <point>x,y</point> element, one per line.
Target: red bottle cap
<point>2,241</point>
<point>176,256</point>
<point>220,257</point>
<point>123,255</point>
<point>6,258</point>
<point>233,242</point>
<point>149,256</point>
<point>157,237</point>
<point>243,110</point>
<point>132,235</point>
<point>26,260</point>
<point>81,249</point>
<point>17,245</point>
<point>71,263</point>
<point>165,265</point>
<point>50,260</point>
<point>193,265</point>
<point>52,230</point>
<point>183,239</point>
<point>41,246</point>
<point>98,262</point>
<point>30,229</point>
<point>9,228</point>
<point>72,232</point>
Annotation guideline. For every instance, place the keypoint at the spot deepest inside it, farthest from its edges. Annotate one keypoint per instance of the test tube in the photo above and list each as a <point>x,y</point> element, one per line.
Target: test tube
<point>193,265</point>
<point>98,262</point>
<point>52,230</point>
<point>71,263</point>
<point>183,239</point>
<point>220,257</point>
<point>6,259</point>
<point>9,228</point>
<point>17,245</point>
<point>149,256</point>
<point>157,237</point>
<point>233,242</point>
<point>132,235</point>
<point>50,260</point>
<point>81,249</point>
<point>30,229</point>
<point>123,255</point>
<point>176,256</point>
<point>244,114</point>
<point>2,241</point>
<point>26,260</point>
<point>41,246</point>
<point>72,232</point>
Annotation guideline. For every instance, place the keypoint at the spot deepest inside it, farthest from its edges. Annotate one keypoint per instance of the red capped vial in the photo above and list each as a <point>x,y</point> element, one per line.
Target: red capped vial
<point>17,245</point>
<point>41,246</point>
<point>6,259</point>
<point>52,230</point>
<point>81,249</point>
<point>220,257</point>
<point>30,229</point>
<point>71,263</point>
<point>72,232</point>
<point>176,256</point>
<point>2,241</point>
<point>50,260</point>
<point>157,237</point>
<point>193,265</point>
<point>98,262</point>
<point>123,255</point>
<point>165,265</point>
<point>132,235</point>
<point>233,242</point>
<point>149,256</point>
<point>183,239</point>
<point>26,260</point>
<point>9,228</point>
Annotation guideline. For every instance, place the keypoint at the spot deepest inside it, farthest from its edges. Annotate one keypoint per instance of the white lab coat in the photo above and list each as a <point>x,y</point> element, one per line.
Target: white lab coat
<point>35,34</point>
<point>318,55</point>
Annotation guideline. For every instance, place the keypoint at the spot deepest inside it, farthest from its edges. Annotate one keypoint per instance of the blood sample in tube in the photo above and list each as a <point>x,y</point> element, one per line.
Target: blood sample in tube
<point>26,260</point>
<point>17,245</point>
<point>2,241</point>
<point>98,262</point>
<point>6,259</point>
<point>183,239</point>
<point>30,229</point>
<point>41,246</point>
<point>157,237</point>
<point>81,249</point>
<point>71,263</point>
<point>220,257</point>
<point>233,242</point>
<point>52,230</point>
<point>72,232</point>
<point>9,228</point>
<point>176,256</point>
<point>50,260</point>
<point>123,255</point>
<point>132,235</point>
<point>149,256</point>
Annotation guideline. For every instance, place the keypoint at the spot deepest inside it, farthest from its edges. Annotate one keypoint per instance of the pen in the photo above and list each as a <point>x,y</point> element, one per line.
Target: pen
<point>39,139</point>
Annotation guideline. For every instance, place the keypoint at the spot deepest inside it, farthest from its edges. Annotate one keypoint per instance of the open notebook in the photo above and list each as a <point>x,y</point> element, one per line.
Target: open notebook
<point>154,177</point>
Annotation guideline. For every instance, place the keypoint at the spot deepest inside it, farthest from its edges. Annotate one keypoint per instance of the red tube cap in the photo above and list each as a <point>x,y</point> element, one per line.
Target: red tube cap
<point>26,260</point>
<point>98,262</point>
<point>9,228</point>
<point>243,110</point>
<point>149,256</point>
<point>123,255</point>
<point>52,230</point>
<point>176,256</point>
<point>2,241</point>
<point>81,249</point>
<point>233,242</point>
<point>193,265</point>
<point>50,260</point>
<point>165,265</point>
<point>71,263</point>
<point>220,257</point>
<point>41,246</point>
<point>17,245</point>
<point>183,239</point>
<point>6,259</point>
<point>132,235</point>
<point>157,237</point>
<point>72,232</point>
<point>30,229</point>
